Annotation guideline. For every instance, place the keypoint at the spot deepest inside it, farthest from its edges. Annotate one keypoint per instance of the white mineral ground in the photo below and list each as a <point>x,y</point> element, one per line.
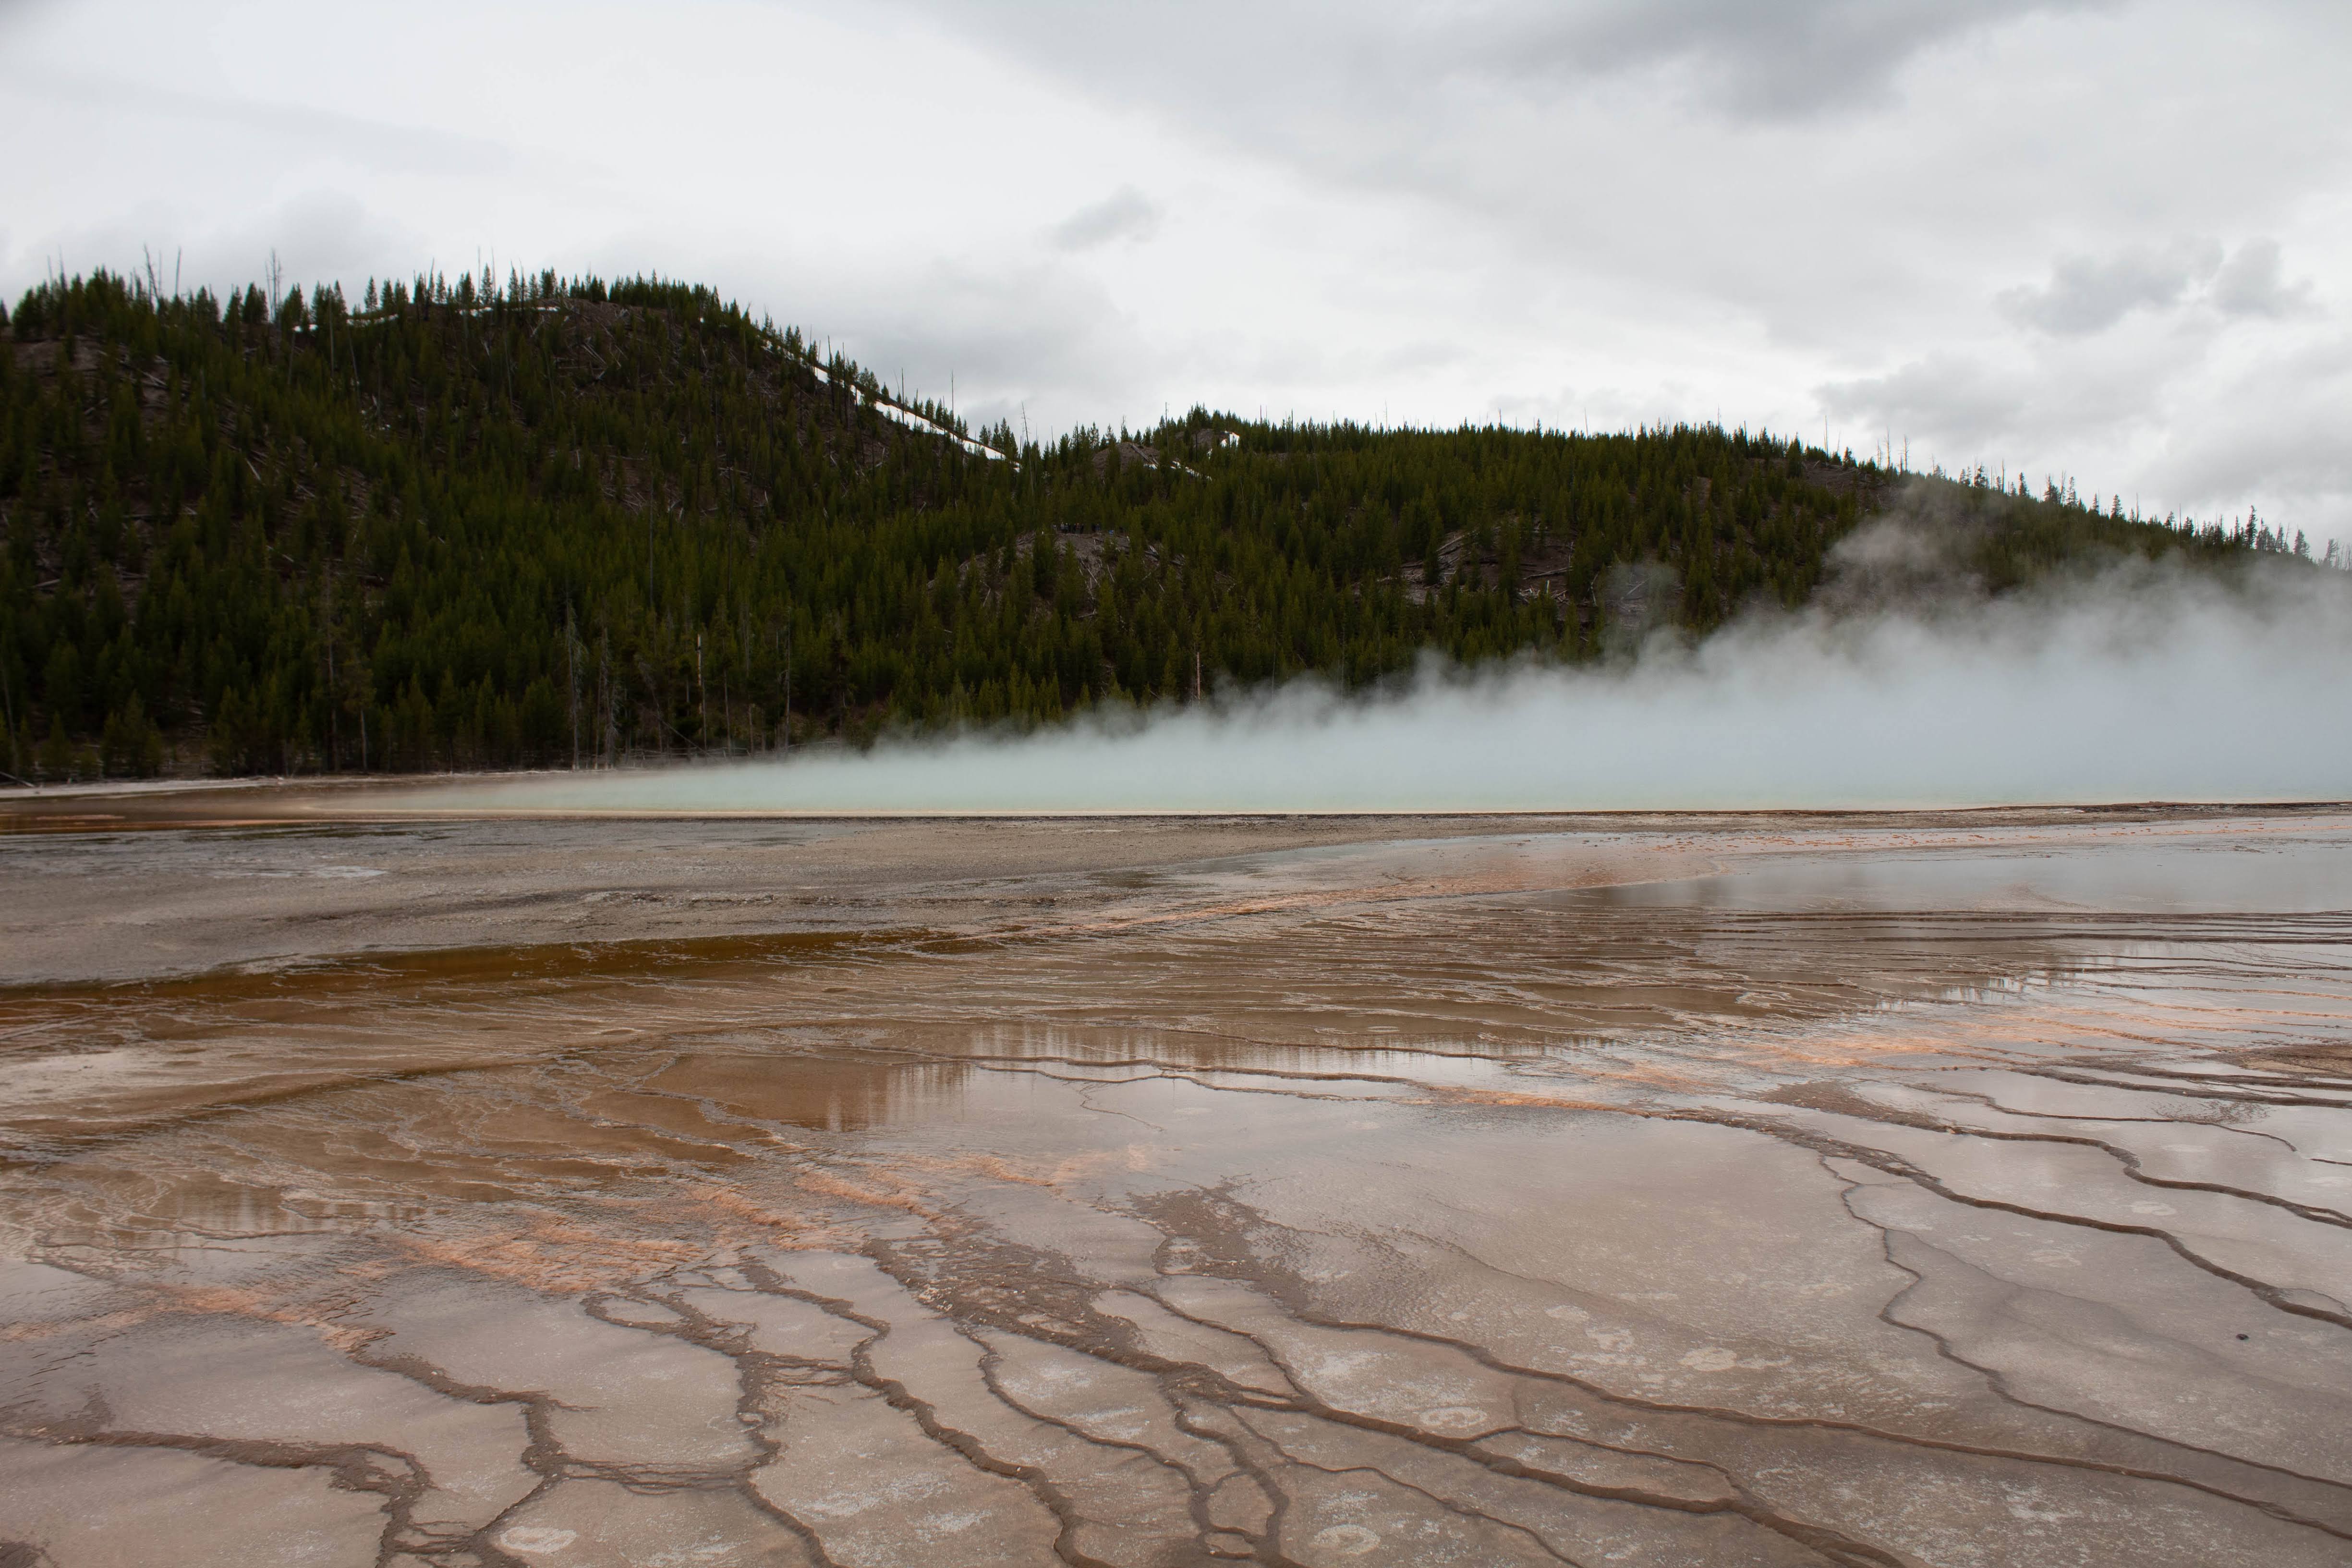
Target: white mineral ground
<point>1960,1189</point>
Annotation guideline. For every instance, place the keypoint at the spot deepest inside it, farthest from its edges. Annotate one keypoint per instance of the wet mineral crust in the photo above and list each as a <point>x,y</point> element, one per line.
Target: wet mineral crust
<point>1905,1191</point>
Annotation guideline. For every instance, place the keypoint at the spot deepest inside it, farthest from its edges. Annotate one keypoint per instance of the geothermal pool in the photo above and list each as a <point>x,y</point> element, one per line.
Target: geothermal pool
<point>1962,1189</point>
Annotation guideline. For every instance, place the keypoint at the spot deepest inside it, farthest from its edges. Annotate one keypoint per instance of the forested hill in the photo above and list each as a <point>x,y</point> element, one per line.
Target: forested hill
<point>548,522</point>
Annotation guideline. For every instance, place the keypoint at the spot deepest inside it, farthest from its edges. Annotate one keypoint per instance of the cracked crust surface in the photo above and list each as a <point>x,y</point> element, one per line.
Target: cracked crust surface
<point>1946,1191</point>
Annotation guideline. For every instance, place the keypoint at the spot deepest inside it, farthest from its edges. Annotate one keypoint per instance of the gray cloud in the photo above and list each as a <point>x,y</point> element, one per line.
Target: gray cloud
<point>318,236</point>
<point>2253,283</point>
<point>2274,431</point>
<point>1127,213</point>
<point>2090,294</point>
<point>283,130</point>
<point>997,339</point>
<point>1249,62</point>
<point>1959,400</point>
<point>1793,57</point>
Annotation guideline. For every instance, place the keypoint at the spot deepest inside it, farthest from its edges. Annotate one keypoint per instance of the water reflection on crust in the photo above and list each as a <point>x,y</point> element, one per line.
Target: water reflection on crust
<point>1393,1202</point>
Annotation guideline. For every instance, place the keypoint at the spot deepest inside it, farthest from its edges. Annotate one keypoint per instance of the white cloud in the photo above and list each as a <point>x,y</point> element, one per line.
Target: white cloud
<point>1980,224</point>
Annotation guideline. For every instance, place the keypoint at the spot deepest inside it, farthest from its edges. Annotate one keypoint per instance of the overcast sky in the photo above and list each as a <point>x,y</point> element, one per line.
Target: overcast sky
<point>2106,238</point>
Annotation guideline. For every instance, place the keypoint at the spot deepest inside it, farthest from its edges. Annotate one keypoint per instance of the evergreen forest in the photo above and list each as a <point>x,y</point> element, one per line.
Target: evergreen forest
<point>571,522</point>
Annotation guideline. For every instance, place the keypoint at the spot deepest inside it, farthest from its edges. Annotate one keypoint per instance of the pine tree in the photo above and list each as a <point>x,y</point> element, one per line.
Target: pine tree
<point>310,538</point>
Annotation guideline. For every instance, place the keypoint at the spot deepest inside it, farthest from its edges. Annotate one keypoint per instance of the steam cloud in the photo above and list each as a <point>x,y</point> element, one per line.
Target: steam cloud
<point>2142,683</point>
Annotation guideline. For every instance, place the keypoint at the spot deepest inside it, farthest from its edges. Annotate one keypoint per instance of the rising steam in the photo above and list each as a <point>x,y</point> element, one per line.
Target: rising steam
<point>2141,683</point>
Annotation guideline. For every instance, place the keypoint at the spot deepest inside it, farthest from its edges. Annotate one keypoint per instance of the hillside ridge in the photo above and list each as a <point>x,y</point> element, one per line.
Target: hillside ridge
<point>573,522</point>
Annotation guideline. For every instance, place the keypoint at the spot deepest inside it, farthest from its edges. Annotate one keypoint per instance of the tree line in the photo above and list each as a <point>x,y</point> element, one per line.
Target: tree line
<point>571,523</point>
